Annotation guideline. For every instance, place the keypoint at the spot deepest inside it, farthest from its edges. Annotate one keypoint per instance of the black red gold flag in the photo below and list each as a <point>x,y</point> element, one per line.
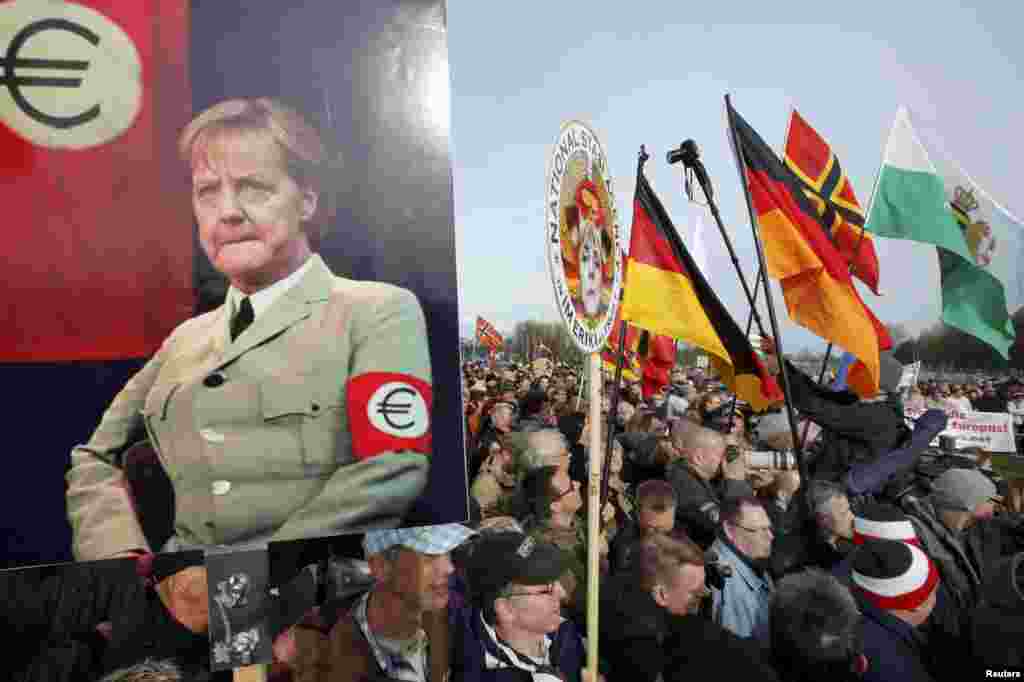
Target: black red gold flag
<point>803,257</point>
<point>666,294</point>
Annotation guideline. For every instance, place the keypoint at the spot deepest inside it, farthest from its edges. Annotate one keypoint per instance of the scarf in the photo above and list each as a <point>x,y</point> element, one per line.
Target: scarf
<point>498,654</point>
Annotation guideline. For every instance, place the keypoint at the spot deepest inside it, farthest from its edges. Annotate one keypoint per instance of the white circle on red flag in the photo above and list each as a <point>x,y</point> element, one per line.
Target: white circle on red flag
<point>72,77</point>
<point>582,236</point>
<point>398,409</point>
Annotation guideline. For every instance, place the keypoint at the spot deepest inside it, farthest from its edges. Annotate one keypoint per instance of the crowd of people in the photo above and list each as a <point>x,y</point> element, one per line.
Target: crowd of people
<point>889,560</point>
<point>898,563</point>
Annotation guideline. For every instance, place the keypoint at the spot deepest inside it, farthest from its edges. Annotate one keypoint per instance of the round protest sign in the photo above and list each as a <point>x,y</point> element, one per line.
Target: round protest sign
<point>581,233</point>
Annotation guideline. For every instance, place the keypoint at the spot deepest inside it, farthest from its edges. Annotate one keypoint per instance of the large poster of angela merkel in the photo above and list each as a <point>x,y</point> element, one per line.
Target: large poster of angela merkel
<point>231,279</point>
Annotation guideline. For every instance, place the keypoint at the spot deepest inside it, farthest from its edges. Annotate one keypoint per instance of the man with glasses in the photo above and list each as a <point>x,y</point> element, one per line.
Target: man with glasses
<point>515,623</point>
<point>551,500</point>
<point>745,544</point>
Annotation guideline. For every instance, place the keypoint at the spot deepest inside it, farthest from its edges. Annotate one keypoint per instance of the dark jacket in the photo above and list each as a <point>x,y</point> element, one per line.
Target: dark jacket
<point>963,558</point>
<point>638,457</point>
<point>620,553</point>
<point>699,501</point>
<point>894,649</point>
<point>634,631</point>
<point>469,661</point>
<point>701,650</point>
<point>852,432</point>
<point>804,548</point>
<point>51,618</point>
<point>996,628</point>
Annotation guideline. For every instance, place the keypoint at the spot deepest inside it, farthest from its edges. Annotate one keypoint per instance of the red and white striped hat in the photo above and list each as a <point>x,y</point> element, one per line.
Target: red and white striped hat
<point>883,522</point>
<point>893,575</point>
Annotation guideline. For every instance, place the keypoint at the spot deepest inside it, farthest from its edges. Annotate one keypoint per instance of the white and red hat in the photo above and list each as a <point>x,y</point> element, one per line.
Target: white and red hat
<point>883,522</point>
<point>893,575</point>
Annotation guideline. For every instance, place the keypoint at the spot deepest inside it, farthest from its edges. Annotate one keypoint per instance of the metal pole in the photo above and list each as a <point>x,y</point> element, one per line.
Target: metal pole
<point>708,194</point>
<point>762,262</point>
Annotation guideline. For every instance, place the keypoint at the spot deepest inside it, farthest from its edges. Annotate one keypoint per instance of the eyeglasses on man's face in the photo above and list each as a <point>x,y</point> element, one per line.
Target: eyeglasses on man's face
<point>763,529</point>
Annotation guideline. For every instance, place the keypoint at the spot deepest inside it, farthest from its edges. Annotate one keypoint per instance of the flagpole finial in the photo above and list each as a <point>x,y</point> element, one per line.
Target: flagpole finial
<point>643,155</point>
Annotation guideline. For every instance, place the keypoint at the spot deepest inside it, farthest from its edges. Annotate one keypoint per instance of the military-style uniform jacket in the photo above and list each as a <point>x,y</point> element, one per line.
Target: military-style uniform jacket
<point>314,421</point>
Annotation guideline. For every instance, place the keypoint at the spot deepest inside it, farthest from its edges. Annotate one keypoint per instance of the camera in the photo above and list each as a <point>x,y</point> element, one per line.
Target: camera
<point>772,459</point>
<point>716,572</point>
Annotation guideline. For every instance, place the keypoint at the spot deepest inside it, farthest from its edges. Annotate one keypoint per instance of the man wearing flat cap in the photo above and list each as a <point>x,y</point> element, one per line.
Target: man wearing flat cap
<point>515,623</point>
<point>398,630</point>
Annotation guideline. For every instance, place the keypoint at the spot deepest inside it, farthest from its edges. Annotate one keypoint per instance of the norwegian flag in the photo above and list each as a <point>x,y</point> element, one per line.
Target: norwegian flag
<point>487,335</point>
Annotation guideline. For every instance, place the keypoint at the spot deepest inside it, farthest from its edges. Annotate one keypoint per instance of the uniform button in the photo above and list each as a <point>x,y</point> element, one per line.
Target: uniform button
<point>220,487</point>
<point>214,380</point>
<point>210,524</point>
<point>211,435</point>
<point>316,407</point>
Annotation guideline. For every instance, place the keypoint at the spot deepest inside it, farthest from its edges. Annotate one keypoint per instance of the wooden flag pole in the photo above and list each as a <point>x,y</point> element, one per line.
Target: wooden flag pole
<point>594,512</point>
<point>251,673</point>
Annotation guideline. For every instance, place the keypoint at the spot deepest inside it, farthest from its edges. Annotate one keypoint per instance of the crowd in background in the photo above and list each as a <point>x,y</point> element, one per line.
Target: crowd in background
<point>887,560</point>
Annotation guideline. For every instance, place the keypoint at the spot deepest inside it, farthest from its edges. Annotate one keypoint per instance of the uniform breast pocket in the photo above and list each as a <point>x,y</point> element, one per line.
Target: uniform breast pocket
<point>305,424</point>
<point>154,412</point>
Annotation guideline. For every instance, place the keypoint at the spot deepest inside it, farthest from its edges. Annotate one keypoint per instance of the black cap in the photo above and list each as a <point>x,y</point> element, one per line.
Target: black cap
<point>499,559</point>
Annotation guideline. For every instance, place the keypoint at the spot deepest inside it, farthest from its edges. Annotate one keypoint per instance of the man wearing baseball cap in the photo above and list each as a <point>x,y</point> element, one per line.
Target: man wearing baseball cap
<point>398,629</point>
<point>515,622</point>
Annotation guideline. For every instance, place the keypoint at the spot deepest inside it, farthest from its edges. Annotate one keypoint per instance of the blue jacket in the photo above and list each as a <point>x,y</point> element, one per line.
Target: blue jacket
<point>468,637</point>
<point>742,606</point>
<point>893,648</point>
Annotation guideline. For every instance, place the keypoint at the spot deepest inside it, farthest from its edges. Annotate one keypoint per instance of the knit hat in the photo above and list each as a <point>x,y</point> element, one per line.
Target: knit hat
<point>882,522</point>
<point>962,489</point>
<point>893,575</point>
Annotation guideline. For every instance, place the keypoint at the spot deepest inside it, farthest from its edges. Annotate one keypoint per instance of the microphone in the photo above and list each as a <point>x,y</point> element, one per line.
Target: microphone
<point>689,155</point>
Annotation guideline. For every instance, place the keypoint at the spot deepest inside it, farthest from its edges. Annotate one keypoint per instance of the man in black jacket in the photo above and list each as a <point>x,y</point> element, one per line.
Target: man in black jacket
<point>854,431</point>
<point>702,479</point>
<point>650,625</point>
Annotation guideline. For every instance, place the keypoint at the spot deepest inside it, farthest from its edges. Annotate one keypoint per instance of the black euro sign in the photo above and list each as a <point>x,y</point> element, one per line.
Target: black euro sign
<point>14,82</point>
<point>386,408</point>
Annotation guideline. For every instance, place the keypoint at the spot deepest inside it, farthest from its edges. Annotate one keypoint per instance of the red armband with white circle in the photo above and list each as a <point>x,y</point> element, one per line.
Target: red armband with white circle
<point>389,412</point>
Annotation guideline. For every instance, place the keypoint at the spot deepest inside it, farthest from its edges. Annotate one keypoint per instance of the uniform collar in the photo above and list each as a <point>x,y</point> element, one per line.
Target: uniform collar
<point>264,298</point>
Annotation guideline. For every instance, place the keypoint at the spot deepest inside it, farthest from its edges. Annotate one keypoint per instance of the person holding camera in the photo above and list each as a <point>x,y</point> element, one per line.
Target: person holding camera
<point>703,477</point>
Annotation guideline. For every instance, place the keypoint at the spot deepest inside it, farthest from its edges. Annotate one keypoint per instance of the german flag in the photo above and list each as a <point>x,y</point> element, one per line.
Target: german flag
<point>667,295</point>
<point>817,167</point>
<point>801,254</point>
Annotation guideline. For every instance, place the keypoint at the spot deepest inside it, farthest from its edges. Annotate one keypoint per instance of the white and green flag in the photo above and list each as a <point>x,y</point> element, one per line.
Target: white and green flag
<point>924,195</point>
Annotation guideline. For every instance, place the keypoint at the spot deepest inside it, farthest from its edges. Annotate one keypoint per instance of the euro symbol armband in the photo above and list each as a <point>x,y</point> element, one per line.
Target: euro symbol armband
<point>389,412</point>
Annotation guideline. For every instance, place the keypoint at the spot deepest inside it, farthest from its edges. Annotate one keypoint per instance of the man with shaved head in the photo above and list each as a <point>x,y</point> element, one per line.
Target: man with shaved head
<point>703,477</point>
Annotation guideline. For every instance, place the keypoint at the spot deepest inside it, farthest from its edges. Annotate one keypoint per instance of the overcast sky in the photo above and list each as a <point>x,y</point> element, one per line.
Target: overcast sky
<point>655,73</point>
